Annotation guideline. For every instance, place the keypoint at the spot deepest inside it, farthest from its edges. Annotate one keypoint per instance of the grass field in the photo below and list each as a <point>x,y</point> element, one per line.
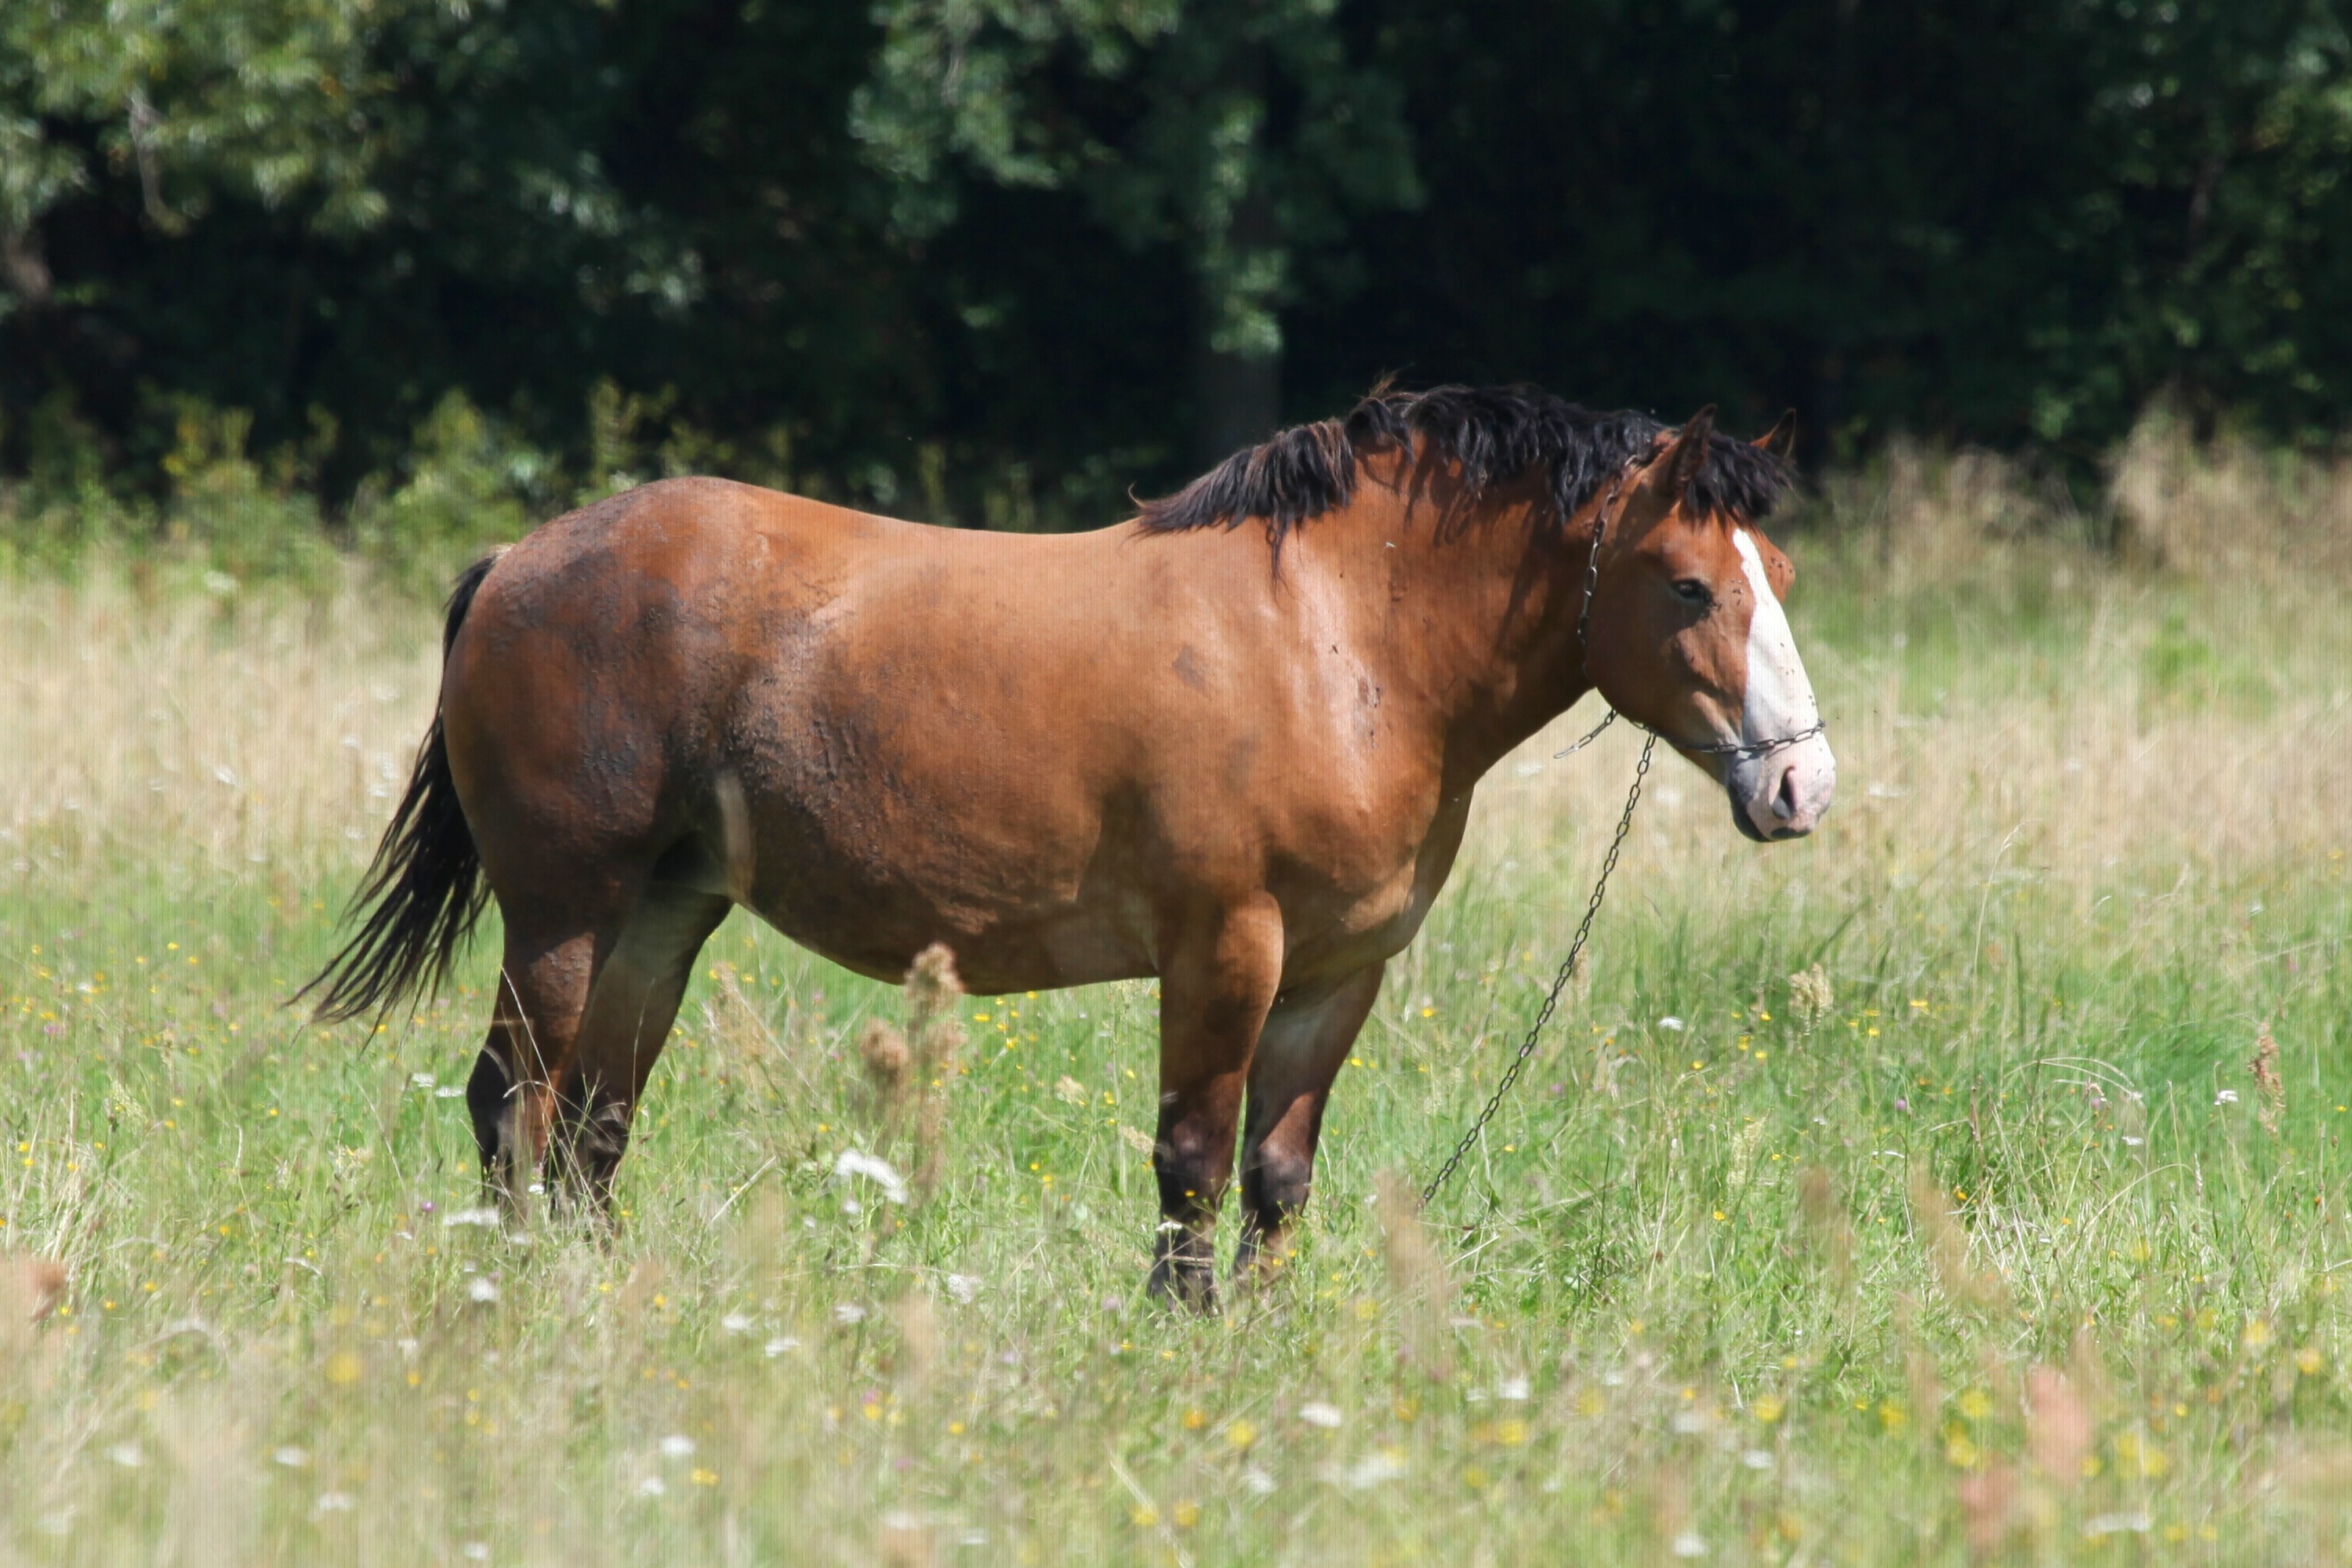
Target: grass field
<point>1996,1232</point>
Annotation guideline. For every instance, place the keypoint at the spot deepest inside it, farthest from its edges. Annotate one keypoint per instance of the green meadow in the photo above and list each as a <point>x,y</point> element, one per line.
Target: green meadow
<point>1967,1182</point>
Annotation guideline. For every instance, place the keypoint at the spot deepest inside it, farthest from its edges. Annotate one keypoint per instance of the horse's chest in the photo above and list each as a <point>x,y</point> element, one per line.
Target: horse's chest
<point>1391,920</point>
<point>1381,901</point>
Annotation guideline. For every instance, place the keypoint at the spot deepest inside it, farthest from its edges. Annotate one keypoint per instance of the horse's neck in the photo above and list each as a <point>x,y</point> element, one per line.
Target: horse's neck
<point>1475,613</point>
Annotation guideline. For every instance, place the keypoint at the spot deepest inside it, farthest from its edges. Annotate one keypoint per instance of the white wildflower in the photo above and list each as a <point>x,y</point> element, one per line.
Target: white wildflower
<point>2116,1524</point>
<point>856,1162</point>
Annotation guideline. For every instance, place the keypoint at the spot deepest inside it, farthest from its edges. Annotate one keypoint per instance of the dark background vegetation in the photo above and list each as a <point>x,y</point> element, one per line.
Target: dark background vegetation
<point>996,261</point>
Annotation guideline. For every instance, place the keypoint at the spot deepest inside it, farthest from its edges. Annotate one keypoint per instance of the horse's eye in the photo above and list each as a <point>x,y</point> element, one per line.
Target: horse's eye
<point>1691,591</point>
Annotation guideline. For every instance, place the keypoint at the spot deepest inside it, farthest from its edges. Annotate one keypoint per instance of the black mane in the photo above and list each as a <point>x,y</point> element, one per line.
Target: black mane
<point>1495,433</point>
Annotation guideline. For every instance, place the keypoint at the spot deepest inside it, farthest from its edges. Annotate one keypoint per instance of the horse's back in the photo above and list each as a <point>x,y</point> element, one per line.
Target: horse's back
<point>1024,745</point>
<point>870,690</point>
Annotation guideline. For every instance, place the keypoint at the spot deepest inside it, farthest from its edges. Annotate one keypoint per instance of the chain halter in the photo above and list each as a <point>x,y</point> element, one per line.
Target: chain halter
<point>1584,642</point>
<point>1616,844</point>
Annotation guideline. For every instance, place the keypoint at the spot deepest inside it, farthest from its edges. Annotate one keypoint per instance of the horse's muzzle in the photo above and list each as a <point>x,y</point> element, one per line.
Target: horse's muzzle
<point>1783,794</point>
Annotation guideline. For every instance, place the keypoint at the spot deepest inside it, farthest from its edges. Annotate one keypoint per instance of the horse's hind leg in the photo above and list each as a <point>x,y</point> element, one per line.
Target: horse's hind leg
<point>543,984</point>
<point>634,999</point>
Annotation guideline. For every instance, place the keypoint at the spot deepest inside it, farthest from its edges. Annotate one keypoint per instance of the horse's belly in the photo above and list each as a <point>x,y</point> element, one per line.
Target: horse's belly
<point>873,904</point>
<point>1035,955</point>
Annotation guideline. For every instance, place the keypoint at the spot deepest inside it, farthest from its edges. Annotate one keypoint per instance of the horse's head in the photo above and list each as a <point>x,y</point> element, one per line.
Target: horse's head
<point>1685,635</point>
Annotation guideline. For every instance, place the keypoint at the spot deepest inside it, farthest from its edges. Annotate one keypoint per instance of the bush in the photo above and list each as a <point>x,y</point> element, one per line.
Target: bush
<point>470,485</point>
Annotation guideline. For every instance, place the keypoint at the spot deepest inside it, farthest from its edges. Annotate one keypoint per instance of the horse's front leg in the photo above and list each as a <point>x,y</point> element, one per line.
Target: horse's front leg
<point>1307,1038</point>
<point>1218,975</point>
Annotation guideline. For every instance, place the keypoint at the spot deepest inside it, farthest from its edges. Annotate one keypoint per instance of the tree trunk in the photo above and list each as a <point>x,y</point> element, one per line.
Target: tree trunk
<point>1237,398</point>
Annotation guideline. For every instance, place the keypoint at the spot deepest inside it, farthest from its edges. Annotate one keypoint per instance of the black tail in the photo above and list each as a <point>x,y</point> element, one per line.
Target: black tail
<point>426,881</point>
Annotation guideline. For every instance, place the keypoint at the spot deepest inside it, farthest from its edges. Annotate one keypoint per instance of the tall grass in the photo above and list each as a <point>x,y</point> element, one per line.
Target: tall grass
<point>1924,1192</point>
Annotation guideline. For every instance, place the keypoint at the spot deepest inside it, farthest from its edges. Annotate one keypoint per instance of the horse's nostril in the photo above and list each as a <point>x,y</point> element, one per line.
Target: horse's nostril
<point>1784,799</point>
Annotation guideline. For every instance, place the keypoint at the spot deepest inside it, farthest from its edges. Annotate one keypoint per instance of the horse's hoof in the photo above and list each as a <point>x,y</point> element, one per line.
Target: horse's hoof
<point>1190,1287</point>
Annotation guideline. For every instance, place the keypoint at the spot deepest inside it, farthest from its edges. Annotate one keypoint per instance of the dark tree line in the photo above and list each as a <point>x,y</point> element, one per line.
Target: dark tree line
<point>1103,239</point>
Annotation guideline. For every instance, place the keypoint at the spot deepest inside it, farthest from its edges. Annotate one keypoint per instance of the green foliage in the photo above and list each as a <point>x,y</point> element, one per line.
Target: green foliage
<point>1097,240</point>
<point>468,488</point>
<point>1165,129</point>
<point>278,100</point>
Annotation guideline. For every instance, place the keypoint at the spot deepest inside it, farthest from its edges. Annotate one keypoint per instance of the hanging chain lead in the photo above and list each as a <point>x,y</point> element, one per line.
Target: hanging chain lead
<point>1559,983</point>
<point>1609,862</point>
<point>1590,735</point>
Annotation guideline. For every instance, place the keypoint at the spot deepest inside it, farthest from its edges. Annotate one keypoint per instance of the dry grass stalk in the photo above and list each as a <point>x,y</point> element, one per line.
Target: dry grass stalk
<point>1922,1384</point>
<point>212,1507</point>
<point>1827,1224</point>
<point>2267,1081</point>
<point>1670,1512</point>
<point>2058,1427</point>
<point>1945,1239</point>
<point>935,1035</point>
<point>2087,1371</point>
<point>2224,507</point>
<point>908,1542</point>
<point>1989,1508</point>
<point>737,1025</point>
<point>918,1341</point>
<point>933,989</point>
<point>1810,997</point>
<point>30,1288</point>
<point>645,1281</point>
<point>1418,1279</point>
<point>764,1239</point>
<point>908,1071</point>
<point>889,1070</point>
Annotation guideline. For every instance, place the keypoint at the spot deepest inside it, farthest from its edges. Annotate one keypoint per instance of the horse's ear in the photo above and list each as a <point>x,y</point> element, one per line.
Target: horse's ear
<point>1688,454</point>
<point>1780,441</point>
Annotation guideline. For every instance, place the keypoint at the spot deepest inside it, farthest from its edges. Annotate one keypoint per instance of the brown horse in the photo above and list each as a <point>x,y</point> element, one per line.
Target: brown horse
<point>1236,758</point>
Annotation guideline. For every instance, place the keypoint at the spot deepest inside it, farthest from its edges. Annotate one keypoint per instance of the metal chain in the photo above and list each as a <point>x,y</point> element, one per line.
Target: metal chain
<point>1590,735</point>
<point>1559,983</point>
<point>1584,640</point>
<point>1735,748</point>
<point>1584,611</point>
<point>1609,862</point>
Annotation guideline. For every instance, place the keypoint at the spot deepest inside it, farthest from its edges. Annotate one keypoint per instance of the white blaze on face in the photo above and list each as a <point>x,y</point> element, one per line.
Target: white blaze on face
<point>1780,699</point>
<point>1780,792</point>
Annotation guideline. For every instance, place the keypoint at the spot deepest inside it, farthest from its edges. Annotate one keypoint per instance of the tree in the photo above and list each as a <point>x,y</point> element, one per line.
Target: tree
<point>1240,130</point>
<point>278,101</point>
